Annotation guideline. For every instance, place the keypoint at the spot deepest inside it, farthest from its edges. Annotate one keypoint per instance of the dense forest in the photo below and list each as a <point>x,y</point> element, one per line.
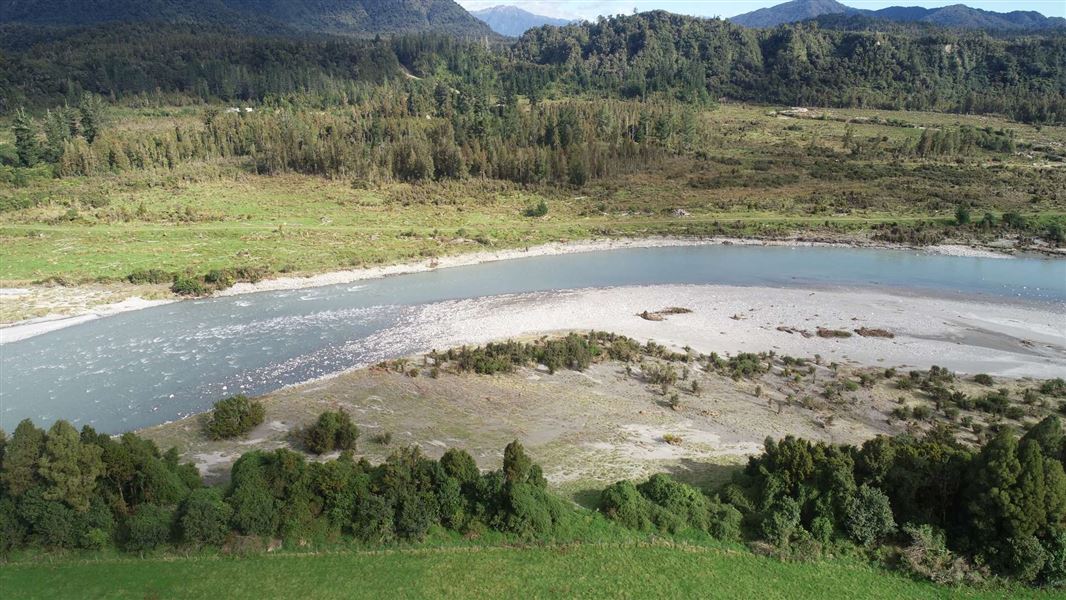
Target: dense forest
<point>639,56</point>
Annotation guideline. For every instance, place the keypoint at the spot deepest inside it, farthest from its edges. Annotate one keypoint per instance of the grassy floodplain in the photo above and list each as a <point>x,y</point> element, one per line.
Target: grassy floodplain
<point>758,178</point>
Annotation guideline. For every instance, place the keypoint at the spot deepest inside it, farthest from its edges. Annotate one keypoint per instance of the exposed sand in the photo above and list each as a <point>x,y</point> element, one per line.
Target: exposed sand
<point>963,335</point>
<point>52,322</point>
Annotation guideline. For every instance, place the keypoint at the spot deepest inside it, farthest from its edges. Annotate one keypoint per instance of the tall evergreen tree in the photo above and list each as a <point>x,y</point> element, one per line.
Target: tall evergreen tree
<point>69,467</point>
<point>27,146</point>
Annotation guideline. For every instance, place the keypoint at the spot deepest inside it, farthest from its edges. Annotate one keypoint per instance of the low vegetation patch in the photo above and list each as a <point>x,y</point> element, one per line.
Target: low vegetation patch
<point>832,333</point>
<point>873,332</point>
<point>234,417</point>
<point>334,430</point>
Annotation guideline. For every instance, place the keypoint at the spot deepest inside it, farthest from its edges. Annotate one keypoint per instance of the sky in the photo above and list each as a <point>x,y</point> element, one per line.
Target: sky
<point>590,9</point>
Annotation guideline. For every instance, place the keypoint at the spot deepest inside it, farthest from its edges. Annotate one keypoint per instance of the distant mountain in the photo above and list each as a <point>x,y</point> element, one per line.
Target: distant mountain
<point>790,12</point>
<point>342,17</point>
<point>962,16</point>
<point>955,16</point>
<point>513,21</point>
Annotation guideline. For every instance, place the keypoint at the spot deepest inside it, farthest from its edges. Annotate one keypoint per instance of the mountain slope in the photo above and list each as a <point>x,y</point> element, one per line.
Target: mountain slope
<point>790,12</point>
<point>343,17</point>
<point>513,21</point>
<point>956,16</point>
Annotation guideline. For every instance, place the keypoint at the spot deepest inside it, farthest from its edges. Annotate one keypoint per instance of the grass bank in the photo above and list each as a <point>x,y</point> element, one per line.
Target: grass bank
<point>616,570</point>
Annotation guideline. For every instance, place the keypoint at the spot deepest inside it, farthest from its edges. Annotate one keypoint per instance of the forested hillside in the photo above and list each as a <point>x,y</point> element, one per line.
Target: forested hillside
<point>806,65</point>
<point>361,18</point>
<point>654,54</point>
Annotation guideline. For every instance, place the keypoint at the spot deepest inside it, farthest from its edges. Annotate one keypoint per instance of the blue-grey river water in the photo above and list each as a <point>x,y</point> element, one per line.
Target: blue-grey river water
<point>150,366</point>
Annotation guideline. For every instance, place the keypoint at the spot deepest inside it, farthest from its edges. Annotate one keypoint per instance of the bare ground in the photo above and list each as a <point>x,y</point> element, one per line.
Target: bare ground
<point>588,428</point>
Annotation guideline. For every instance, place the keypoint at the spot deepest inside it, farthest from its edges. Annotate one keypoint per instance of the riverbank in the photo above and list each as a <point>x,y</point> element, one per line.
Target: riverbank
<point>72,305</point>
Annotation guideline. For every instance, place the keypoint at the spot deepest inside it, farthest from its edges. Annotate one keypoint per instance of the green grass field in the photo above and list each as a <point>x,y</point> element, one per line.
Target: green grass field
<point>572,571</point>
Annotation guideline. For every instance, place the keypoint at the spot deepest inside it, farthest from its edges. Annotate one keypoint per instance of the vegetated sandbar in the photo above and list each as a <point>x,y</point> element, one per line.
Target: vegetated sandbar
<point>965,335</point>
<point>80,310</point>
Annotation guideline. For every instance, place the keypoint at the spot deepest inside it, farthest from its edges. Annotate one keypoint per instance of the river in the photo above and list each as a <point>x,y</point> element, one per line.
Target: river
<point>150,366</point>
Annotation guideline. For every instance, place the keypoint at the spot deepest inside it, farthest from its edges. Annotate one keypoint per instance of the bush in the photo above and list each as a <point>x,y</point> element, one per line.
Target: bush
<point>962,215</point>
<point>725,522</point>
<point>983,379</point>
<point>1054,387</point>
<point>234,416</point>
<point>148,528</point>
<point>1024,558</point>
<point>188,286</point>
<point>459,465</point>
<point>1054,573</point>
<point>927,557</point>
<point>683,500</point>
<point>869,515</point>
<point>149,276</point>
<point>781,521</point>
<point>539,210</point>
<point>205,517</point>
<point>332,431</point>
<point>624,504</point>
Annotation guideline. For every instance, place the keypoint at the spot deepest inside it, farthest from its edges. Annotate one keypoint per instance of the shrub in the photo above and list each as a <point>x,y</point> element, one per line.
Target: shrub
<point>1054,387</point>
<point>188,286</point>
<point>725,522</point>
<point>459,465</point>
<point>962,215</point>
<point>921,412</point>
<point>983,379</point>
<point>1054,573</point>
<point>204,517</point>
<point>781,521</point>
<point>822,529</point>
<point>683,500</point>
<point>235,416</point>
<point>149,276</point>
<point>927,556</point>
<point>332,431</point>
<point>539,210</point>
<point>869,515</point>
<point>1024,558</point>
<point>623,503</point>
<point>148,528</point>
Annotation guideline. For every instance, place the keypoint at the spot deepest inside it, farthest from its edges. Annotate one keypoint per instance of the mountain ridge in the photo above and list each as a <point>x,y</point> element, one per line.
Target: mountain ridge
<point>957,16</point>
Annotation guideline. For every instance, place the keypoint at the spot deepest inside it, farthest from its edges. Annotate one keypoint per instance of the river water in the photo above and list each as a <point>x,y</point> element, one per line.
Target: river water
<point>150,366</point>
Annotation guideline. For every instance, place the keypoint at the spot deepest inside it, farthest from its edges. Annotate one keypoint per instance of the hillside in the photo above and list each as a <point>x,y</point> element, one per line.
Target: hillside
<point>958,16</point>
<point>342,17</point>
<point>513,21</point>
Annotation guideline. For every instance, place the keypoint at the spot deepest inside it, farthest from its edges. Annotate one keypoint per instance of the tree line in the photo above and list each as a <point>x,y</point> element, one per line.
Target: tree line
<point>411,132</point>
<point>65,489</point>
<point>947,511</point>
